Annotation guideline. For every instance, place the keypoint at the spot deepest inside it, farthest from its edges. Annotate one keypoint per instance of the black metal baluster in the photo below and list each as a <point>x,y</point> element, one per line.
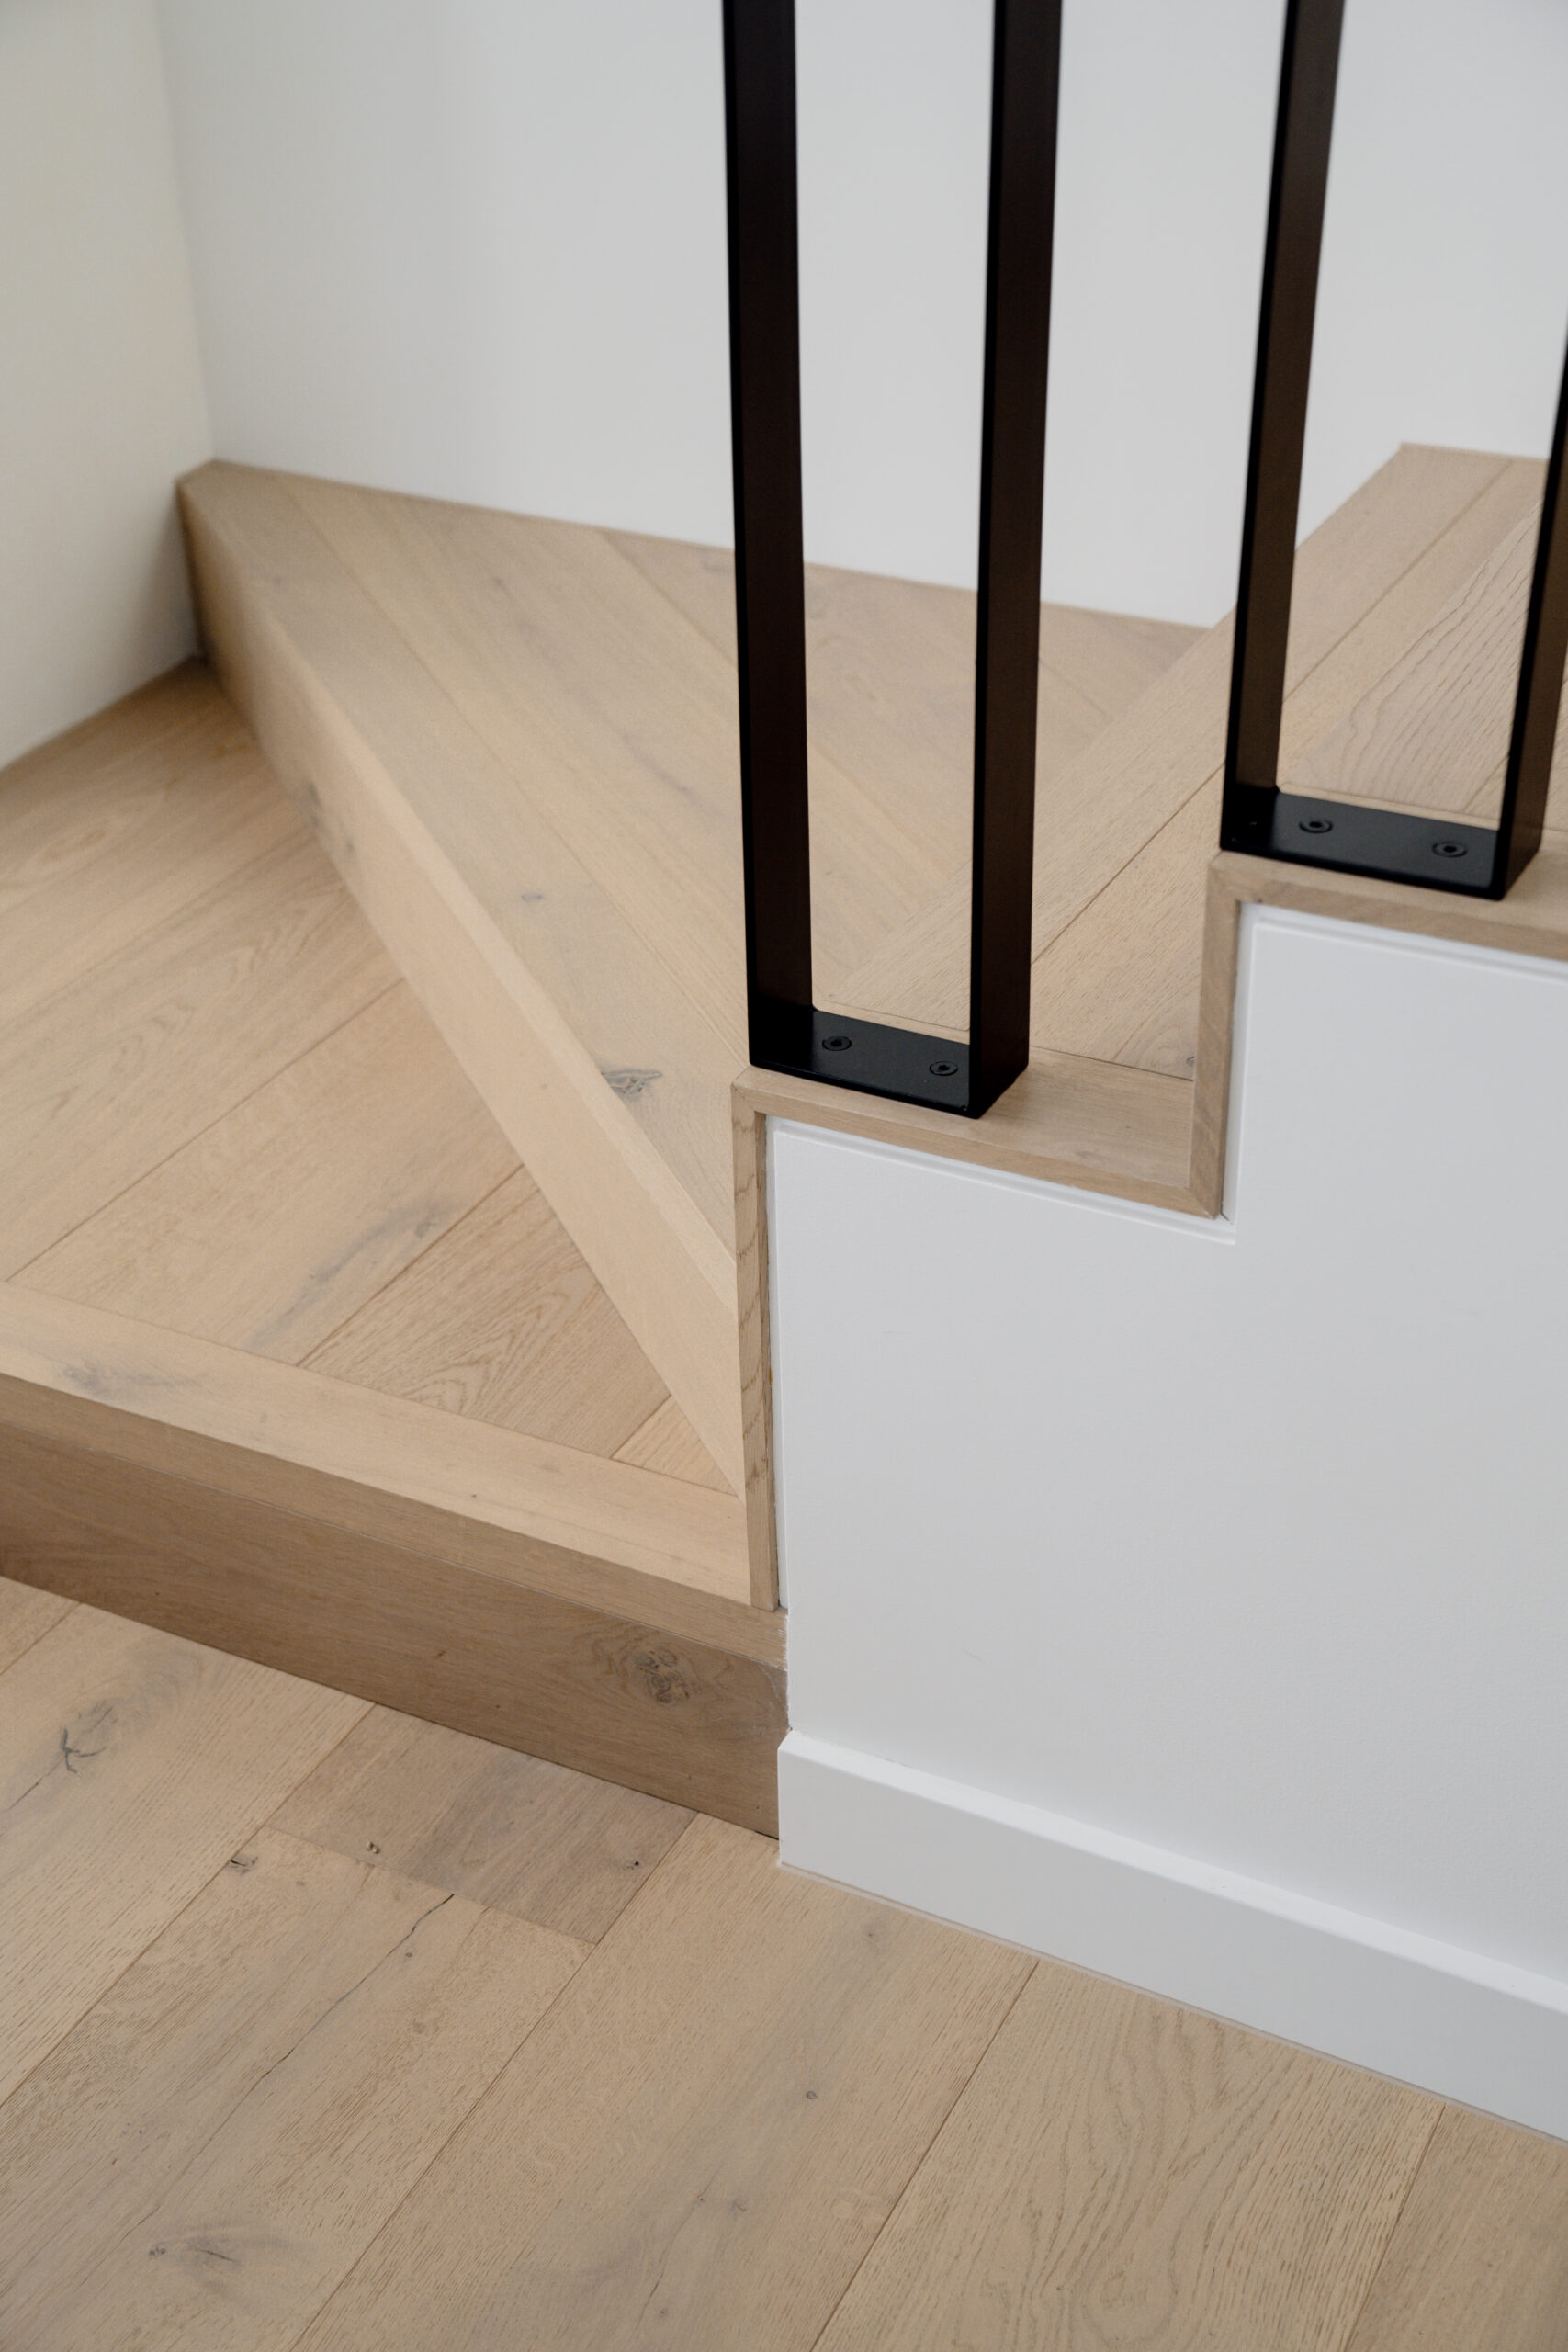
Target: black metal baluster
<point>785,1032</point>
<point>1394,845</point>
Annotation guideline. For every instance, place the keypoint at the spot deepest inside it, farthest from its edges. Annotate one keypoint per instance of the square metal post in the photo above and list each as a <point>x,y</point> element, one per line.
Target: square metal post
<point>785,1031</point>
<point>1395,845</point>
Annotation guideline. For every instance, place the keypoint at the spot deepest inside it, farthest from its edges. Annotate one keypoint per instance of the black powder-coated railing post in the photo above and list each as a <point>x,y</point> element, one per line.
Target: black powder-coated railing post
<point>1308,72</point>
<point>785,1032</point>
<point>1024,74</point>
<point>1392,844</point>
<point>770,608</point>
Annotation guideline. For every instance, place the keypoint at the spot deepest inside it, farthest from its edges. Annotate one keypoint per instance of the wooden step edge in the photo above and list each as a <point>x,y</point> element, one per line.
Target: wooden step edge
<point>667,1272</point>
<point>521,1509</point>
<point>412,1629</point>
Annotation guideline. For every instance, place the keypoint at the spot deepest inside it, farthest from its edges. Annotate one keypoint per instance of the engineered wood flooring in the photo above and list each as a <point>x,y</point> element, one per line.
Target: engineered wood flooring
<point>329,2028</point>
<point>227,1117</point>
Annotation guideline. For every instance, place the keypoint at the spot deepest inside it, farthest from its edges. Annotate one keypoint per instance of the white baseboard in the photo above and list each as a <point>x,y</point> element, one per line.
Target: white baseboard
<point>1449,2021</point>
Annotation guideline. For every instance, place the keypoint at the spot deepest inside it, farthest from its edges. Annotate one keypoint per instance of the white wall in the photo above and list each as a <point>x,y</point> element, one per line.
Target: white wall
<point>475,248</point>
<point>101,402</point>
<point>1242,1541</point>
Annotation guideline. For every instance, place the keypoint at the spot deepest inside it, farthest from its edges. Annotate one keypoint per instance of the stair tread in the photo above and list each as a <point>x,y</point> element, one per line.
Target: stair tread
<point>233,1122</point>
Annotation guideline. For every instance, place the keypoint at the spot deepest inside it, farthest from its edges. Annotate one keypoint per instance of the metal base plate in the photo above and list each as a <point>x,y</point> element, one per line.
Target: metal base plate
<point>873,1058</point>
<point>1391,845</point>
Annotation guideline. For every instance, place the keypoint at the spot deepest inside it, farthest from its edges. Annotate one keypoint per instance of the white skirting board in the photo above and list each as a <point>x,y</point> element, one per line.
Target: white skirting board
<point>1449,2021</point>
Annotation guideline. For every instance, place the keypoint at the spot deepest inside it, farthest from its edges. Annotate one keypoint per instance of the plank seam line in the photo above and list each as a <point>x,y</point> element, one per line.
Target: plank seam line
<point>918,2166</point>
<point>540,815</point>
<point>1347,2340</point>
<point>16,1273</point>
<point>490,2087</point>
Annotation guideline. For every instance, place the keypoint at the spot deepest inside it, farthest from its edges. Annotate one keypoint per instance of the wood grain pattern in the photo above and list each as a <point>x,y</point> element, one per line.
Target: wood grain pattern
<point>890,678</point>
<point>26,1615</point>
<point>1099,814</point>
<point>619,719</point>
<point>109,834</point>
<point>395,1469</point>
<point>130,1768</point>
<point>506,1830</point>
<point>501,1319</point>
<point>702,2139</point>
<point>428,830</point>
<point>131,1060</point>
<point>1122,981</point>
<point>1122,2172</point>
<point>206,2156</point>
<point>1068,1120</point>
<point>270,1228</point>
<point>1480,2255</point>
<point>624,1700</point>
<point>667,1442</point>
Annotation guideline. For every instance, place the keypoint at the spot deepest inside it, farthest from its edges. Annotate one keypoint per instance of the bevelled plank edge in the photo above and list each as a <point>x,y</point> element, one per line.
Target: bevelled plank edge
<point>647,1244</point>
<point>630,1539</point>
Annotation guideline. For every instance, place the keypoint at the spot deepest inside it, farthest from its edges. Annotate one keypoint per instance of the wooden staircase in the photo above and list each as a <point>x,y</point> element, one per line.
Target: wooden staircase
<point>382,1291</point>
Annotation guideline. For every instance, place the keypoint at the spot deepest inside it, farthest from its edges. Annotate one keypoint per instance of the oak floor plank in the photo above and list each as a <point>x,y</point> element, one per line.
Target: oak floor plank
<point>1479,2261</point>
<point>618,716</point>
<point>109,834</point>
<point>698,2143</point>
<point>667,1442</point>
<point>502,1320</point>
<point>1119,982</point>
<point>274,1226</point>
<point>502,1829</point>
<point>202,2159</point>
<point>1108,803</point>
<point>411,744</point>
<point>131,1765</point>
<point>26,1616</point>
<point>1122,2173</point>
<point>890,677</point>
<point>113,1073</point>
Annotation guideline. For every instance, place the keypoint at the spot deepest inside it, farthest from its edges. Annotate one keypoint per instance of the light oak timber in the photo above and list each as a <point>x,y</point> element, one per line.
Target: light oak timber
<point>130,1768</point>
<point>702,2139</point>
<point>501,1319</point>
<point>667,1442</point>
<point>1406,609</point>
<point>511,1506</point>
<point>1095,1126</point>
<point>1099,813</point>
<point>756,1345</point>
<point>1435,731</point>
<point>890,678</point>
<point>381,758</point>
<point>509,1831</point>
<point>1479,2253</point>
<point>26,1615</point>
<point>268,1230</point>
<point>145,1049</point>
<point>1122,2172</point>
<point>619,718</point>
<point>415,1631</point>
<point>202,2160</point>
<point>1121,981</point>
<point>111,832</point>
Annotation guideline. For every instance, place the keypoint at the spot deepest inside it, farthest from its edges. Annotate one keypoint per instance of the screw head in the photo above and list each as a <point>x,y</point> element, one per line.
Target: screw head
<point>1450,849</point>
<point>1317,824</point>
<point>944,1069</point>
<point>837,1045</point>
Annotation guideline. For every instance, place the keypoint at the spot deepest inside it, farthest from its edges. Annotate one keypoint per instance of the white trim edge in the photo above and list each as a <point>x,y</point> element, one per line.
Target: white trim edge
<point>1450,2021</point>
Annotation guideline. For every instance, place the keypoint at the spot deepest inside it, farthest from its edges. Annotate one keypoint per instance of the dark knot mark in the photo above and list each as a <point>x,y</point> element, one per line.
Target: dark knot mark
<point>629,1083</point>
